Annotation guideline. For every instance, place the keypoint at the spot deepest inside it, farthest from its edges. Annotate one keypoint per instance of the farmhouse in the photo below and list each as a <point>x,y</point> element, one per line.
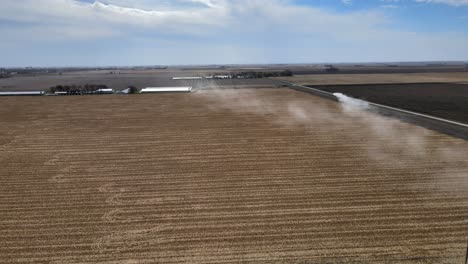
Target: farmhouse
<point>185,89</point>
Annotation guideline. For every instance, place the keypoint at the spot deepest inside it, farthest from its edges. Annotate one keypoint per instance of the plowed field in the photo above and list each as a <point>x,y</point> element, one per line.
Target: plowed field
<point>251,176</point>
<point>445,100</point>
<point>376,78</point>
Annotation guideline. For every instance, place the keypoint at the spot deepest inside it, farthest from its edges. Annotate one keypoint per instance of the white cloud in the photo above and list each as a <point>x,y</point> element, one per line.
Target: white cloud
<point>347,2</point>
<point>205,17</point>
<point>237,30</point>
<point>72,19</point>
<point>390,6</point>
<point>448,2</point>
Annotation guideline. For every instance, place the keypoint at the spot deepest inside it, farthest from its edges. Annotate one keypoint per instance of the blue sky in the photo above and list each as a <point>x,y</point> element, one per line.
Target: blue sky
<point>174,32</point>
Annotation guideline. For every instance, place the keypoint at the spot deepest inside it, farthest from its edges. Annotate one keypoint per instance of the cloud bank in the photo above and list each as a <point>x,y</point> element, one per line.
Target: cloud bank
<point>448,2</point>
<point>191,31</point>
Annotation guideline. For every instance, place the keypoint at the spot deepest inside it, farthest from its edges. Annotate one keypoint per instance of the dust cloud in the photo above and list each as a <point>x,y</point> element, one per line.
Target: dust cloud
<point>387,140</point>
<point>408,145</point>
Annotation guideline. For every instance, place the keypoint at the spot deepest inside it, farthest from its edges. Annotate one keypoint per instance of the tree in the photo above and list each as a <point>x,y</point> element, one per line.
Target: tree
<point>132,90</point>
<point>331,68</point>
<point>287,73</point>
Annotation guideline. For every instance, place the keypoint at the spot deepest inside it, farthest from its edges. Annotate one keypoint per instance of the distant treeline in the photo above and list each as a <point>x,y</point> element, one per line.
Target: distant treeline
<point>87,88</point>
<point>331,68</point>
<point>19,71</point>
<point>253,74</point>
<point>52,70</point>
<point>4,73</point>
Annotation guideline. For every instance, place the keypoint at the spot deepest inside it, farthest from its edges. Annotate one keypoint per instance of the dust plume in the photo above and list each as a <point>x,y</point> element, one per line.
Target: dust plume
<point>387,140</point>
<point>350,104</point>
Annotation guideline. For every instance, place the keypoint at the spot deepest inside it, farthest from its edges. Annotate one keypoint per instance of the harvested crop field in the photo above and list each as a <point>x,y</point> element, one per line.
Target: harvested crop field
<point>122,81</point>
<point>445,100</point>
<point>230,176</point>
<point>385,78</point>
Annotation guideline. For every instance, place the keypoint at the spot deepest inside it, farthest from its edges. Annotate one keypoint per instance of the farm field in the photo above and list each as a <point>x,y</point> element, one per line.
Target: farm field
<point>225,176</point>
<point>121,79</point>
<point>445,100</point>
<point>139,79</point>
<point>338,79</point>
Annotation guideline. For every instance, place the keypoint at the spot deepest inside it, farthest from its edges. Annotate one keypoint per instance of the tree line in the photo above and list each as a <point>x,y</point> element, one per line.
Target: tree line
<point>84,89</point>
<point>87,88</point>
<point>254,74</point>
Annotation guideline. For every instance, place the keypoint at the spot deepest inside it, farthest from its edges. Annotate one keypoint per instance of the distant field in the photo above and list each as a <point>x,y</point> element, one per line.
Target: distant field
<point>322,79</point>
<point>381,70</point>
<point>121,81</point>
<point>448,101</point>
<point>225,176</point>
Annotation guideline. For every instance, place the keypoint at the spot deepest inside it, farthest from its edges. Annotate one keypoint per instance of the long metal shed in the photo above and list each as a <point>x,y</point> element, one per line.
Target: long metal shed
<point>186,89</point>
<point>187,78</point>
<point>105,91</point>
<point>24,93</point>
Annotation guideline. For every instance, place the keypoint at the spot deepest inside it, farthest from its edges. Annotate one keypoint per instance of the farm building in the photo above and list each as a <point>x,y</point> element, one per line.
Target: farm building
<point>74,92</point>
<point>124,91</point>
<point>105,91</point>
<point>185,89</point>
<point>26,93</point>
<point>222,77</point>
<point>187,78</point>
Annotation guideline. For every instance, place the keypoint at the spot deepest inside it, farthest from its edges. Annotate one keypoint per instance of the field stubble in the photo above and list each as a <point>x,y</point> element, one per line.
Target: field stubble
<point>376,78</point>
<point>122,81</point>
<point>270,176</point>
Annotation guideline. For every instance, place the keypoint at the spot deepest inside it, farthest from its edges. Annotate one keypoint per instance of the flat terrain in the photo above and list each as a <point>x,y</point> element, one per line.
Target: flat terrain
<point>449,101</point>
<point>325,79</point>
<point>121,79</point>
<point>251,176</point>
<point>139,79</point>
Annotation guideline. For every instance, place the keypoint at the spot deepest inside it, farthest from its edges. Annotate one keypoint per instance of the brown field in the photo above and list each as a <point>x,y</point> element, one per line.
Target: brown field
<point>139,79</point>
<point>231,176</point>
<point>325,79</point>
<point>444,100</point>
<point>121,79</point>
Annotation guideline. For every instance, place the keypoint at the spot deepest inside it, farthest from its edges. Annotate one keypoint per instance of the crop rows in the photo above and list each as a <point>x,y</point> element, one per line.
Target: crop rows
<point>265,176</point>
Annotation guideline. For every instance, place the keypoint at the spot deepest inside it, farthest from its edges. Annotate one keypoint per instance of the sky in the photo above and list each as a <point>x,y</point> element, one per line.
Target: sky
<point>48,33</point>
